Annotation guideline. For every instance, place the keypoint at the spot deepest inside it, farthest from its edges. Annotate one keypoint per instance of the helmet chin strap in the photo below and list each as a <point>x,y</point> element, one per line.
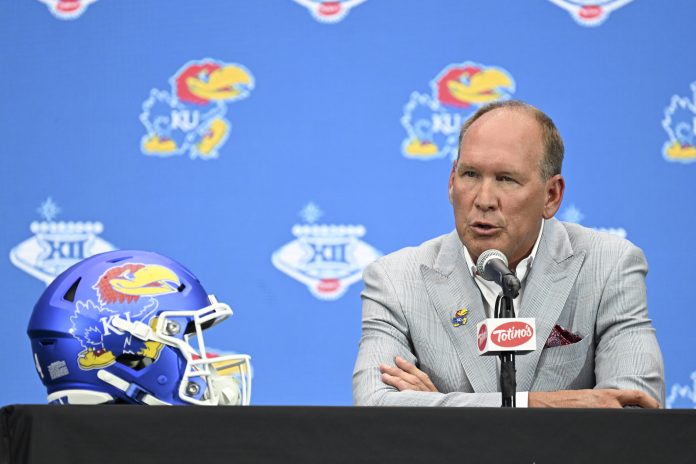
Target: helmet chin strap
<point>227,390</point>
<point>137,329</point>
<point>130,389</point>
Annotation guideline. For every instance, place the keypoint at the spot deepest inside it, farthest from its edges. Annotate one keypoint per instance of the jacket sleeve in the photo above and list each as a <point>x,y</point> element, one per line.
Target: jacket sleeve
<point>627,355</point>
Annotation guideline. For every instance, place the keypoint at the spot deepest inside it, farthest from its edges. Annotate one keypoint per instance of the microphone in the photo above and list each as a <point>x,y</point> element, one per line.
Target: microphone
<point>505,334</point>
<point>493,265</point>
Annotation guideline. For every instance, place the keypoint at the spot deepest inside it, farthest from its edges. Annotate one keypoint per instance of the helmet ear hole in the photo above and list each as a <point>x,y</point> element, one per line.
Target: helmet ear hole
<point>181,287</point>
<point>191,326</point>
<point>70,294</point>
<point>134,361</point>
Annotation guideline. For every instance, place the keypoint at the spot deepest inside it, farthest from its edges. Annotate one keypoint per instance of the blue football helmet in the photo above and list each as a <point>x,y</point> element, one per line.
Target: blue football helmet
<point>127,327</point>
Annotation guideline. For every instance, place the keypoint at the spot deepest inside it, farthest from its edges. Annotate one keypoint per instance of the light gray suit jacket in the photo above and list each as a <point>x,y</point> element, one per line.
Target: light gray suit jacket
<point>588,282</point>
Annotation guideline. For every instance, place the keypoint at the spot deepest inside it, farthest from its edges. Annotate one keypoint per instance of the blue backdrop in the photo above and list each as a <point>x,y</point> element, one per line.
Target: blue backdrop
<point>275,147</point>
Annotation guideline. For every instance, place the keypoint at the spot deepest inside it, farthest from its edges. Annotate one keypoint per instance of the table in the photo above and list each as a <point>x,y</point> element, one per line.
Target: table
<point>262,434</point>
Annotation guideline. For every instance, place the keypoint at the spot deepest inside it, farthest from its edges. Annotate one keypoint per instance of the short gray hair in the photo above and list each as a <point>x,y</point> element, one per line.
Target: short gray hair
<point>552,161</point>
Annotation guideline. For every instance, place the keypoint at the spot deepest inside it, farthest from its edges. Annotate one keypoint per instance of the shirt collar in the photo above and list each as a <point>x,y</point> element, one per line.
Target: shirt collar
<point>522,268</point>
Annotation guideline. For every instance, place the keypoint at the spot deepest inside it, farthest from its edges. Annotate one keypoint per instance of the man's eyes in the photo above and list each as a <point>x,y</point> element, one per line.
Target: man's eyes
<point>500,178</point>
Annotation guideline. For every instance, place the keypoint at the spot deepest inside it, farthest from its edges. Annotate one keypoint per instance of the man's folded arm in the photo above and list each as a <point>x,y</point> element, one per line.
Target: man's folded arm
<point>385,335</point>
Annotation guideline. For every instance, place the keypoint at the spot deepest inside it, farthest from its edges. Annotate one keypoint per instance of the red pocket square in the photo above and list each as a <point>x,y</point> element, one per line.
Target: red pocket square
<point>560,336</point>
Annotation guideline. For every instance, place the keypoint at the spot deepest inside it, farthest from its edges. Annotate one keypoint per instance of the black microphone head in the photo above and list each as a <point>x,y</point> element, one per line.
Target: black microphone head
<point>485,257</point>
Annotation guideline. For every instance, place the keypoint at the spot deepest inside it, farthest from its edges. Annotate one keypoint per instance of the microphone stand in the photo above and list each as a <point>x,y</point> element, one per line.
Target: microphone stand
<point>504,308</point>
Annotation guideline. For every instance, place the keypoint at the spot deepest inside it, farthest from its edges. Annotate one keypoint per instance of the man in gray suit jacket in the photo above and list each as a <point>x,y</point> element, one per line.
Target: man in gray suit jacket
<point>596,346</point>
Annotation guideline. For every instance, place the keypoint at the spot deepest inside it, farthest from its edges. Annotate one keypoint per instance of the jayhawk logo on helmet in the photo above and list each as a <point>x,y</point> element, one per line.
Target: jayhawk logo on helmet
<point>128,291</point>
<point>432,122</point>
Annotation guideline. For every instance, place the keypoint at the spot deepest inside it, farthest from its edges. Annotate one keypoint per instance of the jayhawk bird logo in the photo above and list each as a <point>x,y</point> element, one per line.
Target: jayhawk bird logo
<point>128,291</point>
<point>680,124</point>
<point>432,121</point>
<point>192,117</point>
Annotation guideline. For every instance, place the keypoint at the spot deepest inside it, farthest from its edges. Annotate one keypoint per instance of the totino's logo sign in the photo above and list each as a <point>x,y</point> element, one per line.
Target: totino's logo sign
<point>506,334</point>
<point>512,334</point>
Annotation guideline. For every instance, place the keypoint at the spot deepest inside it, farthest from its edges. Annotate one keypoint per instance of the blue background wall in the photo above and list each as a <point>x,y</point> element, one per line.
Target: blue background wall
<point>319,141</point>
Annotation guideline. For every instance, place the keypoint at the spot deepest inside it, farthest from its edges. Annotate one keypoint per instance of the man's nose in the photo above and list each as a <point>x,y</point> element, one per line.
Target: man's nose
<point>486,196</point>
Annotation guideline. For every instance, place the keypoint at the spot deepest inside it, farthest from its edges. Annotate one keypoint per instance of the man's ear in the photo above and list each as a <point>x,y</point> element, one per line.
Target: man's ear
<point>450,187</point>
<point>555,187</point>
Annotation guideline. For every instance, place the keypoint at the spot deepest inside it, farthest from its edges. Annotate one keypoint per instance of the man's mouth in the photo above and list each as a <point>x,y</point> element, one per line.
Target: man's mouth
<point>484,228</point>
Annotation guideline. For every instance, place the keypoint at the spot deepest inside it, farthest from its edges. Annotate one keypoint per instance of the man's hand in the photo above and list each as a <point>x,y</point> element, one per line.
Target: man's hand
<point>598,398</point>
<point>406,376</point>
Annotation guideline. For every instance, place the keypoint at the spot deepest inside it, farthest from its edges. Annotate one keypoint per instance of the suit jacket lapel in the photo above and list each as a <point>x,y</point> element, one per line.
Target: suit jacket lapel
<point>554,270</point>
<point>450,288</point>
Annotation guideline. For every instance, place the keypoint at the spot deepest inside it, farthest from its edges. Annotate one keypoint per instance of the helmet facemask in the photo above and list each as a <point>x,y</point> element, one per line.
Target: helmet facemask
<point>208,379</point>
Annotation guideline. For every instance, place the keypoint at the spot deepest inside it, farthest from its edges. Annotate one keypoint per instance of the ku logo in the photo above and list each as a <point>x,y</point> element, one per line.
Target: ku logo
<point>326,258</point>
<point>329,11</point>
<point>460,317</point>
<point>191,118</point>
<point>56,246</point>
<point>590,12</point>
<point>433,121</point>
<point>127,292</point>
<point>67,9</point>
<point>680,124</point>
